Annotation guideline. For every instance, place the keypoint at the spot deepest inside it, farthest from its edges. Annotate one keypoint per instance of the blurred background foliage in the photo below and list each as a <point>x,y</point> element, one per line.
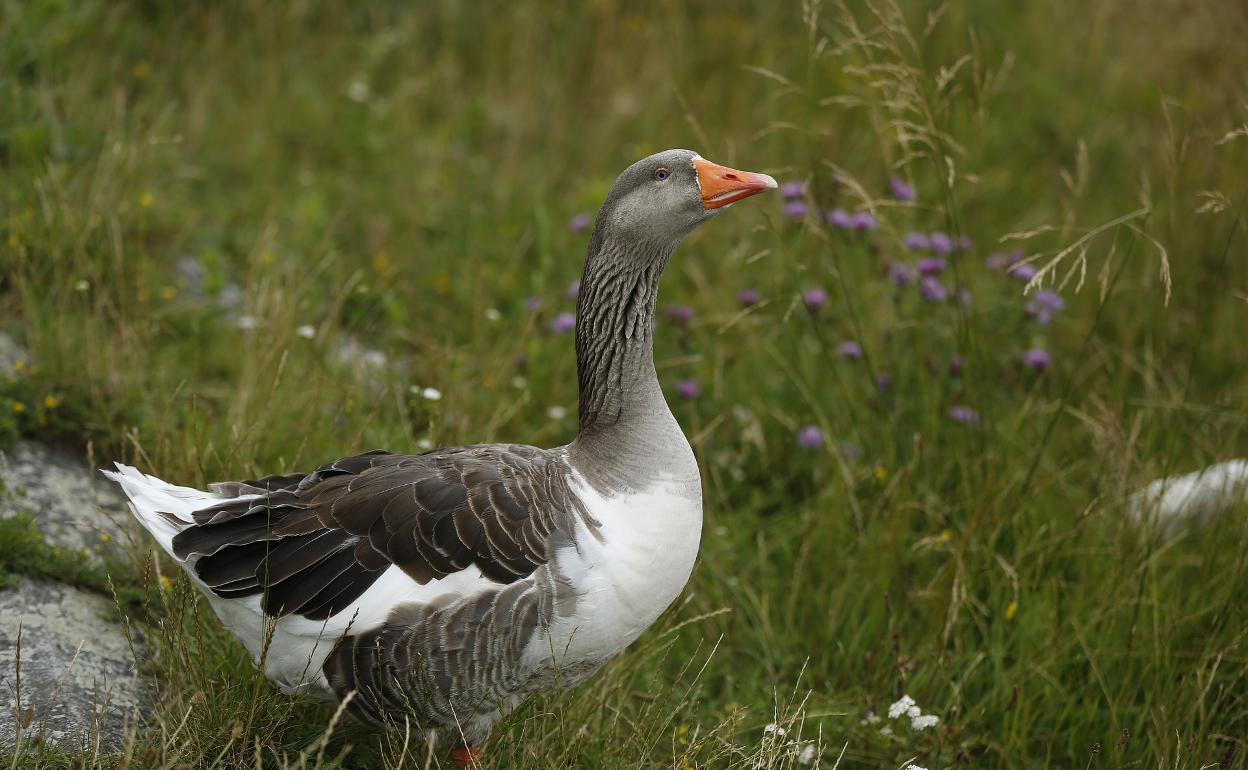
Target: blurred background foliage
<point>241,238</point>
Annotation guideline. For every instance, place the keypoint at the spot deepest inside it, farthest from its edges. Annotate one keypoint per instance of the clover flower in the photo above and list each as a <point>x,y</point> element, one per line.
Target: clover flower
<point>932,290</point>
<point>815,298</point>
<point>900,189</point>
<point>810,437</point>
<point>563,323</point>
<point>1023,272</point>
<point>849,349</point>
<point>748,297</point>
<point>930,265</point>
<point>941,244</point>
<point>917,242</point>
<point>901,274</point>
<point>1037,359</point>
<point>964,415</point>
<point>863,220</point>
<point>796,209</point>
<point>681,314</point>
<point>688,388</point>
<point>1004,261</point>
<point>579,223</point>
<point>791,190</point>
<point>1043,305</point>
<point>840,218</point>
<point>574,290</point>
<point>532,304</point>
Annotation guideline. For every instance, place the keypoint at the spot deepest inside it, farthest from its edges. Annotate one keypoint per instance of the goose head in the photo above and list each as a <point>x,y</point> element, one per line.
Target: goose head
<point>659,199</point>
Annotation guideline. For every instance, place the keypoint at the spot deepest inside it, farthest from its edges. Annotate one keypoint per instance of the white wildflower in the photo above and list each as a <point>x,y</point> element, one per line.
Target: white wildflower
<point>886,730</point>
<point>807,754</point>
<point>430,394</point>
<point>82,285</point>
<point>374,358</point>
<point>518,382</point>
<point>307,331</point>
<point>774,729</point>
<point>492,314</point>
<point>869,718</point>
<point>924,721</point>
<point>246,322</point>
<point>425,443</point>
<point>358,91</point>
<point>902,706</point>
<point>915,767</point>
<point>556,413</point>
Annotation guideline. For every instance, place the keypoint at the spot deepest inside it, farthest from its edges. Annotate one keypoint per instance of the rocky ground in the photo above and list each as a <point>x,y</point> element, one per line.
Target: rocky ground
<point>67,662</point>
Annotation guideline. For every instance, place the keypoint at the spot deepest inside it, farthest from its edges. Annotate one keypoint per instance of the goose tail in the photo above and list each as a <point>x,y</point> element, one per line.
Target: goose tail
<point>162,508</point>
<point>1175,500</point>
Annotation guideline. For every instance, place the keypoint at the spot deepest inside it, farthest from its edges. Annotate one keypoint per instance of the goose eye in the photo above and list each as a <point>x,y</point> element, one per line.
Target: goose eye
<point>661,174</point>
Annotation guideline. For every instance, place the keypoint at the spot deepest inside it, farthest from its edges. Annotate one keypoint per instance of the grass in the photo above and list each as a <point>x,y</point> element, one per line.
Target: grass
<point>184,189</point>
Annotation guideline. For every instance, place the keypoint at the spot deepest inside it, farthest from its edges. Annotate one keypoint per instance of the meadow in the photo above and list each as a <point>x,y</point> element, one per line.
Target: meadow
<point>1006,286</point>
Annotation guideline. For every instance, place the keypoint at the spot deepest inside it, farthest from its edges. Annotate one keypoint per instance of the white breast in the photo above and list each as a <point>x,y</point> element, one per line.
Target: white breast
<point>629,573</point>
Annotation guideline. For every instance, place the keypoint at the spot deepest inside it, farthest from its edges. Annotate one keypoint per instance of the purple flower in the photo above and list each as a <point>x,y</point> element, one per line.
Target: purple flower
<point>940,243</point>
<point>574,290</point>
<point>883,382</point>
<point>901,190</point>
<point>864,221</point>
<point>791,190</point>
<point>579,223</point>
<point>795,209</point>
<point>748,297</point>
<point>930,265</point>
<point>680,314</point>
<point>1037,360</point>
<point>963,243</point>
<point>687,388</point>
<point>932,290</point>
<point>849,349</point>
<point>840,218</point>
<point>955,366</point>
<point>917,242</point>
<point>815,298</point>
<point>532,304</point>
<point>1043,305</point>
<point>901,274</point>
<point>810,437</point>
<point>1003,261</point>
<point>1023,272</point>
<point>563,323</point>
<point>964,414</point>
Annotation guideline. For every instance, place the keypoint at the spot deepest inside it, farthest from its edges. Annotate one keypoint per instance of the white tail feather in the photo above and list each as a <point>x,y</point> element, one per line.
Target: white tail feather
<point>1170,502</point>
<point>154,502</point>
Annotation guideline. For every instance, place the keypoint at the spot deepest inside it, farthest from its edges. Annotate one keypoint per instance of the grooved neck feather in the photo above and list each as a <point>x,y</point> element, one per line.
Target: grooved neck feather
<point>627,433</point>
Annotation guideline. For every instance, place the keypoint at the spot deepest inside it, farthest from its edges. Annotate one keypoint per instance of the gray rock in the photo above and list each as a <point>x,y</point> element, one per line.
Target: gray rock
<point>77,675</point>
<point>10,353</point>
<point>74,506</point>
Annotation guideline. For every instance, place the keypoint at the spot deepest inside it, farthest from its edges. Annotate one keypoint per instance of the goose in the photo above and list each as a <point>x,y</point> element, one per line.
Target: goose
<point>440,589</point>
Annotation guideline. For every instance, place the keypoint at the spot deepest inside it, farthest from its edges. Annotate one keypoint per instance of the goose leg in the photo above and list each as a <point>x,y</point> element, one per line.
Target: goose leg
<point>467,757</point>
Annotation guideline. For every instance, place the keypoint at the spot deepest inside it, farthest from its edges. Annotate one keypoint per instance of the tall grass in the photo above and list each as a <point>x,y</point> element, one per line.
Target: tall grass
<point>185,189</point>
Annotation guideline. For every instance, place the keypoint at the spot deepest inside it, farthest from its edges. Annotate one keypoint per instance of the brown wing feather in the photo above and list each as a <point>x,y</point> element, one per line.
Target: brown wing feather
<point>313,544</point>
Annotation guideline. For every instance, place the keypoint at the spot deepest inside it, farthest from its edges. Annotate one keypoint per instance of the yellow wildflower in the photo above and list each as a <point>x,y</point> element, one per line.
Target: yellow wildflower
<point>880,473</point>
<point>146,199</point>
<point>105,537</point>
<point>1011,610</point>
<point>18,407</point>
<point>168,292</point>
<point>51,402</point>
<point>141,69</point>
<point>945,535</point>
<point>19,365</point>
<point>166,583</point>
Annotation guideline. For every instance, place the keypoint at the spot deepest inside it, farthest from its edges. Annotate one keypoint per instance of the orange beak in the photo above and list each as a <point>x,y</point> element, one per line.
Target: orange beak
<point>722,185</point>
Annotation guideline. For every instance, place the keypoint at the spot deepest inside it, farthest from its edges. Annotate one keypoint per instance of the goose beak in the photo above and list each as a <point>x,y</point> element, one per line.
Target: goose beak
<point>722,185</point>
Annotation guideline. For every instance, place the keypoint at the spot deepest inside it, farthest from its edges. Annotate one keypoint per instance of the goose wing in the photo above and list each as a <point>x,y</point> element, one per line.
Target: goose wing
<point>313,544</point>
